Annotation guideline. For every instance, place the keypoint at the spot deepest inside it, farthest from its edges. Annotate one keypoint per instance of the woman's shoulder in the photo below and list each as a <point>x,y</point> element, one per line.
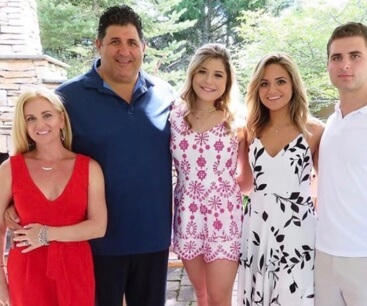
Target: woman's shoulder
<point>179,108</point>
<point>82,156</point>
<point>316,127</point>
<point>178,111</point>
<point>5,170</point>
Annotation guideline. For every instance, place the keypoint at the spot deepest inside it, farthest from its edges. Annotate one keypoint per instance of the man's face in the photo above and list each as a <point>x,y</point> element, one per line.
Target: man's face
<point>347,64</point>
<point>122,54</point>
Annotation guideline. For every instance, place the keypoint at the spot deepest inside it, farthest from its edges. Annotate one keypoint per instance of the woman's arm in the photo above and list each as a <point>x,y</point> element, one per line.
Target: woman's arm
<point>93,227</point>
<point>5,199</point>
<point>316,129</point>
<point>244,178</point>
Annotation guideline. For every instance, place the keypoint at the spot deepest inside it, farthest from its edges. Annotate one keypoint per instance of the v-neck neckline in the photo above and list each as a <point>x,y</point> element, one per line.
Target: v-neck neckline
<point>282,149</point>
<point>40,190</point>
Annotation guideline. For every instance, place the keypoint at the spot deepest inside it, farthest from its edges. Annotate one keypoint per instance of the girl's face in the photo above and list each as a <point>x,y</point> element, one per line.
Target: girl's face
<point>209,81</point>
<point>43,121</point>
<point>275,89</point>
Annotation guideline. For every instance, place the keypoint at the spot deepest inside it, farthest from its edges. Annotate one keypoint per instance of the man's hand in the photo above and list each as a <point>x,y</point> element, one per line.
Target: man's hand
<point>11,218</point>
<point>11,222</point>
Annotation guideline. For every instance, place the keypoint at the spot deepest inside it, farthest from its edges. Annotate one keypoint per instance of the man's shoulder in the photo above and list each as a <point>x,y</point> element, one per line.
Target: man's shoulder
<point>84,80</point>
<point>156,81</point>
<point>70,83</point>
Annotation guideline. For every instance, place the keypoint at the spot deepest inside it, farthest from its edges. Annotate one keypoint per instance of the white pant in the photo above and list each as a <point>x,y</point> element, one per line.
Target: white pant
<point>340,281</point>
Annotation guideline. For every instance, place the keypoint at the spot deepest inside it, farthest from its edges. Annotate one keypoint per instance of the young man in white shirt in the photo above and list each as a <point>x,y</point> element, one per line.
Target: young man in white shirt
<point>341,241</point>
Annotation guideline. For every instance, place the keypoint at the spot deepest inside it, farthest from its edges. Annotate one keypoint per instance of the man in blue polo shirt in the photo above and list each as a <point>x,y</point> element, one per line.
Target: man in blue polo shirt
<point>119,116</point>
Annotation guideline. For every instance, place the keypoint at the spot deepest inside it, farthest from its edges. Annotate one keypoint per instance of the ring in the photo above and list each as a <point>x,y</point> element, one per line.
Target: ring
<point>26,243</point>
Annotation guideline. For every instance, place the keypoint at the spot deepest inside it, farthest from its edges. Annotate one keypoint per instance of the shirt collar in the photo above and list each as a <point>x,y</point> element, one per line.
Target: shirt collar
<point>139,81</point>
<point>362,110</point>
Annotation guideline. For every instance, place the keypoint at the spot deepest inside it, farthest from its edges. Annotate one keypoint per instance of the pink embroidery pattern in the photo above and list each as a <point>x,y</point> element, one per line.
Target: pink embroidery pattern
<point>208,202</point>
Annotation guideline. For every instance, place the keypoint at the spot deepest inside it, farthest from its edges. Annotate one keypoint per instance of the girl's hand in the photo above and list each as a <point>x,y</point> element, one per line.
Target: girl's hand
<point>28,237</point>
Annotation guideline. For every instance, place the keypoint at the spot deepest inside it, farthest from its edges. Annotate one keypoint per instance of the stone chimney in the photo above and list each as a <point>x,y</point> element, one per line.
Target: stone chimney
<point>22,63</point>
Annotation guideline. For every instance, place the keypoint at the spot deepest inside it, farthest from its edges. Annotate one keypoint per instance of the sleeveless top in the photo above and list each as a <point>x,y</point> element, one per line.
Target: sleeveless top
<point>278,248</point>
<point>33,275</point>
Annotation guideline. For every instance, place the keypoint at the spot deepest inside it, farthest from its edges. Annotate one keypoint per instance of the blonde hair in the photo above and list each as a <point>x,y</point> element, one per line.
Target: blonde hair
<point>258,115</point>
<point>230,97</point>
<point>21,141</point>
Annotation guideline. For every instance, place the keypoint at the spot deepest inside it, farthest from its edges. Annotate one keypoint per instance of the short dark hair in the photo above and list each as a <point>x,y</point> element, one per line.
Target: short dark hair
<point>119,15</point>
<point>350,29</point>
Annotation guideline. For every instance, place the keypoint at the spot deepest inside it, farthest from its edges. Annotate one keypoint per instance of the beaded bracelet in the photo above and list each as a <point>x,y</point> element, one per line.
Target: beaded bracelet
<point>42,235</point>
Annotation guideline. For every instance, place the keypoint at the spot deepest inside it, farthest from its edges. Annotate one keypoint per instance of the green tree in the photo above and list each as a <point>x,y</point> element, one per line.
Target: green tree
<point>302,32</point>
<point>68,31</point>
<point>216,21</point>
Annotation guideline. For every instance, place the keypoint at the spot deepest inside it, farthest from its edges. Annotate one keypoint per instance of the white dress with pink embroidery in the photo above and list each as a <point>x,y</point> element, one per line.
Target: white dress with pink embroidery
<point>207,199</point>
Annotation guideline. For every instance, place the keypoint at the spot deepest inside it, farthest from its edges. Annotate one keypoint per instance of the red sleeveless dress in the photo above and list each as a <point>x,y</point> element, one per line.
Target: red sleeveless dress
<point>60,274</point>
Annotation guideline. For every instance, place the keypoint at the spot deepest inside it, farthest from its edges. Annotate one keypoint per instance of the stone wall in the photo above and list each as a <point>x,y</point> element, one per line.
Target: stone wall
<point>16,75</point>
<point>19,28</point>
<point>22,64</point>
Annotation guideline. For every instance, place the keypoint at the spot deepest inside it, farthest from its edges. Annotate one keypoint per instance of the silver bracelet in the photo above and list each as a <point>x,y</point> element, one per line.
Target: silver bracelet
<point>42,235</point>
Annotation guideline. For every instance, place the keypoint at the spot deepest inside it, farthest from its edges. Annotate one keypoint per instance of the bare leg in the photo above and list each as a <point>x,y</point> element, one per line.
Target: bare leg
<point>195,269</point>
<point>220,277</point>
<point>213,281</point>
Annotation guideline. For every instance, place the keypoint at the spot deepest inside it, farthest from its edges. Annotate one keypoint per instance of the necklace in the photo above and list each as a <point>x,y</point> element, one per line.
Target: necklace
<point>202,112</point>
<point>50,168</point>
<point>47,168</point>
<point>277,129</point>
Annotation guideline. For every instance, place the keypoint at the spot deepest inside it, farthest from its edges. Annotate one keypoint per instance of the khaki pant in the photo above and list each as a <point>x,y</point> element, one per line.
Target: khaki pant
<point>340,281</point>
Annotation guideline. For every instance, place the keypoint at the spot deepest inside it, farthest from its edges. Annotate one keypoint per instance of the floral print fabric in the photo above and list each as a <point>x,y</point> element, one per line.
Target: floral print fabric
<point>207,199</point>
<point>277,254</point>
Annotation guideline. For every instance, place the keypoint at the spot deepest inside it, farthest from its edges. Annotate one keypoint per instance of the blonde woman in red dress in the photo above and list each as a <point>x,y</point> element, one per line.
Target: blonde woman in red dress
<point>60,198</point>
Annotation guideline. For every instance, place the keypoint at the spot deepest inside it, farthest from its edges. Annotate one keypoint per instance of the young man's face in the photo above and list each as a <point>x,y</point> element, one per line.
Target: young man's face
<point>122,54</point>
<point>347,64</point>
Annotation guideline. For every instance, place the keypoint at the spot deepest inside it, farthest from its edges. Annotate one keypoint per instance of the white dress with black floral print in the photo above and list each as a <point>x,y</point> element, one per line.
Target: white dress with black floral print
<point>277,253</point>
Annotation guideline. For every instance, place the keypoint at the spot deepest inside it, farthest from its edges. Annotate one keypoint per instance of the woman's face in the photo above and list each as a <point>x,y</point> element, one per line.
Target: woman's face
<point>209,82</point>
<point>43,121</point>
<point>275,89</point>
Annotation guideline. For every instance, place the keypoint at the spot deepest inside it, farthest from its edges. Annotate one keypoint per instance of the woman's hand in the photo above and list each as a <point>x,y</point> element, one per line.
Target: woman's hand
<point>28,237</point>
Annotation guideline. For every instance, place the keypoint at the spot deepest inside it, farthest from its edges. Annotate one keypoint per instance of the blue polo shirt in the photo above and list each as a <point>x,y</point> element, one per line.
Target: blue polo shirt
<point>131,143</point>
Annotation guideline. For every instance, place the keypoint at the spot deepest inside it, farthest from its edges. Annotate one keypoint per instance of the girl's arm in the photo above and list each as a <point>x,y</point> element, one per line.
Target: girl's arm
<point>244,178</point>
<point>316,128</point>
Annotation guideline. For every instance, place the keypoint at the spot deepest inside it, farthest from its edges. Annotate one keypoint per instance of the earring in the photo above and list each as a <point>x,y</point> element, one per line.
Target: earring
<point>31,143</point>
<point>62,134</point>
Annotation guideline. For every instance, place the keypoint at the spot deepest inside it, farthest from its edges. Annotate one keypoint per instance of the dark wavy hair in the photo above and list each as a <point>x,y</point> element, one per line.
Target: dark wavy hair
<point>350,29</point>
<point>121,15</point>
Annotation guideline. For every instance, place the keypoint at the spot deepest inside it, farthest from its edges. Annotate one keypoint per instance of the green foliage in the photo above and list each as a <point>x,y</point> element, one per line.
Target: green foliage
<point>68,31</point>
<point>302,32</point>
<point>174,29</point>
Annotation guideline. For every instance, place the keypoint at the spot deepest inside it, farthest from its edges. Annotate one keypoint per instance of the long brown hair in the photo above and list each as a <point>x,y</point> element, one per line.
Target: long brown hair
<point>227,102</point>
<point>258,114</point>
